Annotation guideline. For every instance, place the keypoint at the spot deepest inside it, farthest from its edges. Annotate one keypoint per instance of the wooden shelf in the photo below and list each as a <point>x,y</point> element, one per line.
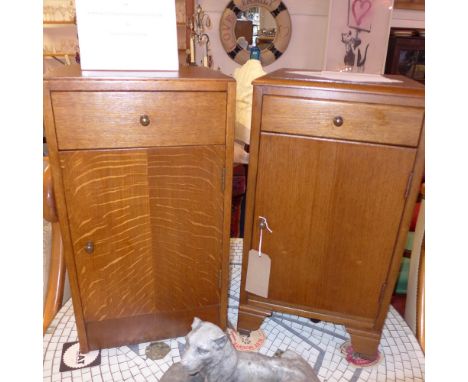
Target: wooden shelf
<point>50,54</point>
<point>60,22</point>
<point>414,5</point>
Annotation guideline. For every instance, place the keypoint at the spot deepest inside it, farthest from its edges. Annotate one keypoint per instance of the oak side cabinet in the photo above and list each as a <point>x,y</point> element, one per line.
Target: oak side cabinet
<point>142,171</point>
<point>335,169</point>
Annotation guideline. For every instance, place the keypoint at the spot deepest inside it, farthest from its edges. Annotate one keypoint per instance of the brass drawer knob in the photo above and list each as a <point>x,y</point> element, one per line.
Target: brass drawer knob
<point>338,121</point>
<point>89,247</point>
<point>144,120</point>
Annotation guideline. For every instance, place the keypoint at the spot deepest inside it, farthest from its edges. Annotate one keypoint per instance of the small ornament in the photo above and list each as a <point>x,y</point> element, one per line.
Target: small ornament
<point>157,350</point>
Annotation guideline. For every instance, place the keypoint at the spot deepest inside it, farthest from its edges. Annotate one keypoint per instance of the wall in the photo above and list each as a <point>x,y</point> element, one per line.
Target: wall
<point>309,21</point>
<point>309,30</point>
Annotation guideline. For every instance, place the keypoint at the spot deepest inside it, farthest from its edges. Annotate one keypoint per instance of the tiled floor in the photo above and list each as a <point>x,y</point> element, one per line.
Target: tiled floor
<point>318,343</point>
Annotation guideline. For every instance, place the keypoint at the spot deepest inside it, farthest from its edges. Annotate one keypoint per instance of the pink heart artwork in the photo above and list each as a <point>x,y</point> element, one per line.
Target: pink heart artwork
<point>360,9</point>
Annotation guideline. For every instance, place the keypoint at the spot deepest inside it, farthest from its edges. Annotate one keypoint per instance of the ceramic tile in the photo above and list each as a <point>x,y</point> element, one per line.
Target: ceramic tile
<point>318,343</point>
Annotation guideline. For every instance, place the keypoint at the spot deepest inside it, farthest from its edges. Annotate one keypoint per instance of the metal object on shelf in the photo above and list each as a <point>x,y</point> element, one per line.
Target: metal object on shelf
<point>198,22</point>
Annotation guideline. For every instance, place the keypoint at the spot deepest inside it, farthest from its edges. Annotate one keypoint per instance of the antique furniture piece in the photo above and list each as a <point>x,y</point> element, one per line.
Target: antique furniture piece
<point>184,11</point>
<point>270,19</point>
<point>335,169</point>
<point>414,5</point>
<point>142,171</point>
<point>406,53</point>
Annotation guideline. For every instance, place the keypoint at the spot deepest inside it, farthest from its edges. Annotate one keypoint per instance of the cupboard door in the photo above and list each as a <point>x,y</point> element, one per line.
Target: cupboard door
<point>335,209</point>
<point>154,218</point>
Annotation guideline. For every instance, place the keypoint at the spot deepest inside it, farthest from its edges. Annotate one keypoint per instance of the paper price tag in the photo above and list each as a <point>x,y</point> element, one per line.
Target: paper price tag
<point>258,273</point>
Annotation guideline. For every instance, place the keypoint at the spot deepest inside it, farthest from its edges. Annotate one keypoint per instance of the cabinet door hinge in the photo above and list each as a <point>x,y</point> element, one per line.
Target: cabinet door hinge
<point>220,274</point>
<point>223,179</point>
<point>408,184</point>
<point>382,292</point>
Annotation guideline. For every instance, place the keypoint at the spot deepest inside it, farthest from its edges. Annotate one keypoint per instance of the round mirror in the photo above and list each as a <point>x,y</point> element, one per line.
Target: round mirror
<point>262,23</point>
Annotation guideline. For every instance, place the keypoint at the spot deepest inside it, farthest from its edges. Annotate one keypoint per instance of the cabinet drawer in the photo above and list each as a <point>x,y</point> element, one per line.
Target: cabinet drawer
<point>396,125</point>
<point>88,120</point>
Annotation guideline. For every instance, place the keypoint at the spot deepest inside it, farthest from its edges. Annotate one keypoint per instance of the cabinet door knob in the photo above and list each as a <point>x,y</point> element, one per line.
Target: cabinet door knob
<point>89,247</point>
<point>144,120</point>
<point>338,121</point>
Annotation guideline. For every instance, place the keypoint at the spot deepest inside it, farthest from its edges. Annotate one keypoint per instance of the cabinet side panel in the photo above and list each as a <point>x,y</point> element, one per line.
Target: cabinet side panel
<point>229,157</point>
<point>335,209</point>
<point>186,204</point>
<point>108,207</point>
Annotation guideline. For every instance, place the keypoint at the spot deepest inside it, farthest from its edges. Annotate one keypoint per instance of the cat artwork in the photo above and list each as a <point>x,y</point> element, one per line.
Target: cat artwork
<point>352,45</point>
<point>358,36</point>
<point>360,20</point>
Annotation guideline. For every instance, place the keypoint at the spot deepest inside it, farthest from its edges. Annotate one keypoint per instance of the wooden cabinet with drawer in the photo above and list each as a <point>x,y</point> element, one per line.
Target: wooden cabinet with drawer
<point>334,168</point>
<point>142,169</point>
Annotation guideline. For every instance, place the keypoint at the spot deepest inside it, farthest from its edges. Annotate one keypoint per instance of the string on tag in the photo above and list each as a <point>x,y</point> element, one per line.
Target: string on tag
<point>263,224</point>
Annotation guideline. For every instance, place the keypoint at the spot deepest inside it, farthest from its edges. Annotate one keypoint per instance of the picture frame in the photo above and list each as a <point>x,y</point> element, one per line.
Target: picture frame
<point>120,35</point>
<point>358,34</point>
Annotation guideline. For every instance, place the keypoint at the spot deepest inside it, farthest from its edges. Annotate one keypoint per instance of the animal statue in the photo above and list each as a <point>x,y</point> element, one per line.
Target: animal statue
<point>210,357</point>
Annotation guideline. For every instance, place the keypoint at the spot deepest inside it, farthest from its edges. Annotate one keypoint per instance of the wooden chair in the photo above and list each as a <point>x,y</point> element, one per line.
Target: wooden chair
<point>56,274</point>
<point>420,300</point>
<point>415,298</point>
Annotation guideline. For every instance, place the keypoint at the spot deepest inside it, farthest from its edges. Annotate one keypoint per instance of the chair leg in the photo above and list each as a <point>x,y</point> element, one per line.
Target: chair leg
<point>55,285</point>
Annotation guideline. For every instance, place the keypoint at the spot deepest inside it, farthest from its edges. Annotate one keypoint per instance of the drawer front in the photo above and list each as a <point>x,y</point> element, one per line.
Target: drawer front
<point>88,120</point>
<point>396,125</point>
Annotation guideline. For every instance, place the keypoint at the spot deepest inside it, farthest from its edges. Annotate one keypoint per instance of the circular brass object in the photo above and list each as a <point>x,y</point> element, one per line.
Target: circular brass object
<point>144,120</point>
<point>89,247</point>
<point>338,121</point>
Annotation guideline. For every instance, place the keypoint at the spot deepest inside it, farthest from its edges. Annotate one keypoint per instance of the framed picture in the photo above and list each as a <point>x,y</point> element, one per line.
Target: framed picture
<point>122,35</point>
<point>358,33</point>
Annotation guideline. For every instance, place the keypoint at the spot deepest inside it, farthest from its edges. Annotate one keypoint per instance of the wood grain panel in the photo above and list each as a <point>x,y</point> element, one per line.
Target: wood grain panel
<point>86,120</point>
<point>107,198</point>
<point>287,79</point>
<point>181,42</point>
<point>57,180</point>
<point>362,122</point>
<point>410,4</point>
<point>186,206</point>
<point>155,217</point>
<point>334,208</point>
<point>147,327</point>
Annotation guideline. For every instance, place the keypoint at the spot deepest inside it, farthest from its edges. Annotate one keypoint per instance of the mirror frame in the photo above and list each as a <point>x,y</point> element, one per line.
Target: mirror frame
<point>227,26</point>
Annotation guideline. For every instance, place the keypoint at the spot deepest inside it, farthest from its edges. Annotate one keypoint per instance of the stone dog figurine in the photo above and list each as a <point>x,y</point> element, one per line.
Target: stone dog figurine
<point>210,357</point>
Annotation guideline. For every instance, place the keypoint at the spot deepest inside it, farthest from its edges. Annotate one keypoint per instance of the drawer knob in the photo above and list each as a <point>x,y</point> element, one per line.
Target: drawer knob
<point>144,120</point>
<point>338,121</point>
<point>89,247</point>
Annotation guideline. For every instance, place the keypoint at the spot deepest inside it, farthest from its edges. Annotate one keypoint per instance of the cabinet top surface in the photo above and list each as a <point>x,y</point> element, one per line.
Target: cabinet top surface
<point>74,72</point>
<point>291,78</point>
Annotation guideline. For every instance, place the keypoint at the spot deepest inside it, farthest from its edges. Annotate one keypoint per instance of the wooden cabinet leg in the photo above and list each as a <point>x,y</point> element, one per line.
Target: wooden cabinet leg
<point>250,318</point>
<point>365,343</point>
